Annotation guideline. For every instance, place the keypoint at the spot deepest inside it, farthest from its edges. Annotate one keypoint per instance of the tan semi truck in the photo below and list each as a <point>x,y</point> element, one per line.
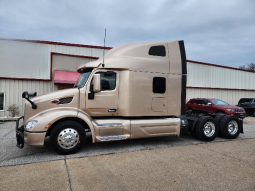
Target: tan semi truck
<point>136,90</point>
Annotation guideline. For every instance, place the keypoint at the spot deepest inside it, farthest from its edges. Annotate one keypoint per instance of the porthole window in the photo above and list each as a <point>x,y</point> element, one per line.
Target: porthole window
<point>159,85</point>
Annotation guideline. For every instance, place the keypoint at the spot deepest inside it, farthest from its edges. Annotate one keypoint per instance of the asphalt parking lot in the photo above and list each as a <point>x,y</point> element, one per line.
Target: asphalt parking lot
<point>12,155</point>
<point>144,164</point>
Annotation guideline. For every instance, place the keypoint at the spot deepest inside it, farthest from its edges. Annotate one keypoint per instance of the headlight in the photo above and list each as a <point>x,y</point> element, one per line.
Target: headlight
<point>30,125</point>
<point>230,109</point>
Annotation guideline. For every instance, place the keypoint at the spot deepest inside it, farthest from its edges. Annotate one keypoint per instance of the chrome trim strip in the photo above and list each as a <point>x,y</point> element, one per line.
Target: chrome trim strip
<point>113,138</point>
<point>109,124</point>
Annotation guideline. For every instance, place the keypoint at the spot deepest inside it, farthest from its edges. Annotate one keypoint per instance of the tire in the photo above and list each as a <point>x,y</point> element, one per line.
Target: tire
<point>193,133</point>
<point>220,112</point>
<point>206,128</point>
<point>230,127</point>
<point>189,110</point>
<point>218,119</point>
<point>67,137</point>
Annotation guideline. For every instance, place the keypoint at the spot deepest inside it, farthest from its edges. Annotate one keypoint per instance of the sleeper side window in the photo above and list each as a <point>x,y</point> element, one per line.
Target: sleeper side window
<point>157,51</point>
<point>159,85</point>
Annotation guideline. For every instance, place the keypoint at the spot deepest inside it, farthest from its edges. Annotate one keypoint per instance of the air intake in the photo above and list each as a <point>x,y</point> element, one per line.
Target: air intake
<point>65,100</point>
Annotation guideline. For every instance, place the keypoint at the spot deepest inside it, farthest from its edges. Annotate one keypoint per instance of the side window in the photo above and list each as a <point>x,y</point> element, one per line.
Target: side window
<point>205,102</point>
<point>2,101</point>
<point>108,81</point>
<point>157,51</point>
<point>193,102</point>
<point>200,102</point>
<point>159,85</point>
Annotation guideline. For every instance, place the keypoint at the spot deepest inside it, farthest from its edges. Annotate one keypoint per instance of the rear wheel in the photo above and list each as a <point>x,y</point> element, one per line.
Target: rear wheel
<point>230,127</point>
<point>206,128</point>
<point>67,137</point>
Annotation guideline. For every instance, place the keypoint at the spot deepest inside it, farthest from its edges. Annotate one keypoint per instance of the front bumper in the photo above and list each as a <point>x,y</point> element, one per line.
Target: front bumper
<point>30,138</point>
<point>34,139</point>
<point>20,133</point>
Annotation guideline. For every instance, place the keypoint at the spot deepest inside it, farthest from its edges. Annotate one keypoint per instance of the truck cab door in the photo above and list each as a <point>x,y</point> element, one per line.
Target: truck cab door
<point>105,102</point>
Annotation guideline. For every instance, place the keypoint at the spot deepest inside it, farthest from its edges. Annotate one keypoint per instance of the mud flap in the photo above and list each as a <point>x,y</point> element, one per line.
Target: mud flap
<point>241,125</point>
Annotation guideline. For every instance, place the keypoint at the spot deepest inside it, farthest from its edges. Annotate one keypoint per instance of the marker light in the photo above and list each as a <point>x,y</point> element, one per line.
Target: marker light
<point>47,126</point>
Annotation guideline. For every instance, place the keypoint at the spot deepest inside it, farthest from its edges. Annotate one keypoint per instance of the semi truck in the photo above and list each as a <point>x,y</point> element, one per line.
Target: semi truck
<point>135,90</point>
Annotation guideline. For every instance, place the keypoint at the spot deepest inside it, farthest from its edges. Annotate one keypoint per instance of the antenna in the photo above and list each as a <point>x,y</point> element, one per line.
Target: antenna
<point>104,45</point>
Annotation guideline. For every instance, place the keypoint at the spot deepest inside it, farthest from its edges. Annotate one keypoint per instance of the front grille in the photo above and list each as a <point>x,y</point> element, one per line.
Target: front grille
<point>65,100</point>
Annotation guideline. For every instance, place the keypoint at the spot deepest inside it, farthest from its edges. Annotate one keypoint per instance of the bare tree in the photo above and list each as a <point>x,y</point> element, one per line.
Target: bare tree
<point>250,66</point>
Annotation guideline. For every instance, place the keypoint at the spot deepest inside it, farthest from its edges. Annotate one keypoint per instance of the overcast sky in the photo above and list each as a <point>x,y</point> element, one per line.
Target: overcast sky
<point>217,32</point>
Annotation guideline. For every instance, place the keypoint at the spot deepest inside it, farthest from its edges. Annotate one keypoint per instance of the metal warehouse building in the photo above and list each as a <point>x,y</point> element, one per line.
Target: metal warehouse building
<point>42,67</point>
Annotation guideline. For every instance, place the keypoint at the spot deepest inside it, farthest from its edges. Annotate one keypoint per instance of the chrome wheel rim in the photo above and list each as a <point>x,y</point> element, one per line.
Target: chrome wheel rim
<point>232,127</point>
<point>68,138</point>
<point>209,129</point>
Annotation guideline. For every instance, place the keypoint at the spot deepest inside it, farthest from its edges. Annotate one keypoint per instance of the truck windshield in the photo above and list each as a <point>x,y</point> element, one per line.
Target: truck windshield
<point>83,78</point>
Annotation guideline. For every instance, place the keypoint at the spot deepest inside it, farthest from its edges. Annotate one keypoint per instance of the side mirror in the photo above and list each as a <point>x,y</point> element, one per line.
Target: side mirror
<point>97,83</point>
<point>25,95</point>
<point>209,104</point>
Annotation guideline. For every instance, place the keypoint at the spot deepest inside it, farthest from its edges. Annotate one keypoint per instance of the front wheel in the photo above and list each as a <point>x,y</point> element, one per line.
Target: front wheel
<point>67,137</point>
<point>206,128</point>
<point>230,127</point>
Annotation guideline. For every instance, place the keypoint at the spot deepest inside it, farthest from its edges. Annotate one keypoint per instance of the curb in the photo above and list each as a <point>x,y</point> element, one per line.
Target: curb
<point>8,118</point>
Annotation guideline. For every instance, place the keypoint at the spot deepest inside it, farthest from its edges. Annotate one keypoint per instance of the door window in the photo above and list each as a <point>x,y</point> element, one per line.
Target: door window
<point>108,80</point>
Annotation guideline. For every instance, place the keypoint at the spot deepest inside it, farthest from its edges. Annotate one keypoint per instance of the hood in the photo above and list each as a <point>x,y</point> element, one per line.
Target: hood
<point>61,98</point>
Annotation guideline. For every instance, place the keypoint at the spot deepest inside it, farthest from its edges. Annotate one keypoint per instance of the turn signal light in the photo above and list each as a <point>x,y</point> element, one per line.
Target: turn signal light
<point>47,126</point>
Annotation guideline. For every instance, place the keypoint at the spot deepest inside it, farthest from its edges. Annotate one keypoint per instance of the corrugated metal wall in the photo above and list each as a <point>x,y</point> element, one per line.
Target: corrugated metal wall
<point>20,59</point>
<point>200,75</point>
<point>35,58</point>
<point>68,63</point>
<point>14,88</point>
<point>206,76</point>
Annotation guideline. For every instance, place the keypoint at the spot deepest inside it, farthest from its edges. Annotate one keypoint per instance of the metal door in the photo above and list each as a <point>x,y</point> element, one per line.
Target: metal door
<point>105,103</point>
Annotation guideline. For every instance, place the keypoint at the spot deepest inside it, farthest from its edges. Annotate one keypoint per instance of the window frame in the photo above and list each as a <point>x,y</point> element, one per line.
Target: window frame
<point>3,102</point>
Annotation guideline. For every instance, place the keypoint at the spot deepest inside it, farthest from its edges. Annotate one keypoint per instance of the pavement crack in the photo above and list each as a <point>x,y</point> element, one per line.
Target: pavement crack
<point>68,175</point>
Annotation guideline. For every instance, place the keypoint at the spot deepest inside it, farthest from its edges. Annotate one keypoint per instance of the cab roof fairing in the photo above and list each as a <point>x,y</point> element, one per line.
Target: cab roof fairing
<point>133,56</point>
